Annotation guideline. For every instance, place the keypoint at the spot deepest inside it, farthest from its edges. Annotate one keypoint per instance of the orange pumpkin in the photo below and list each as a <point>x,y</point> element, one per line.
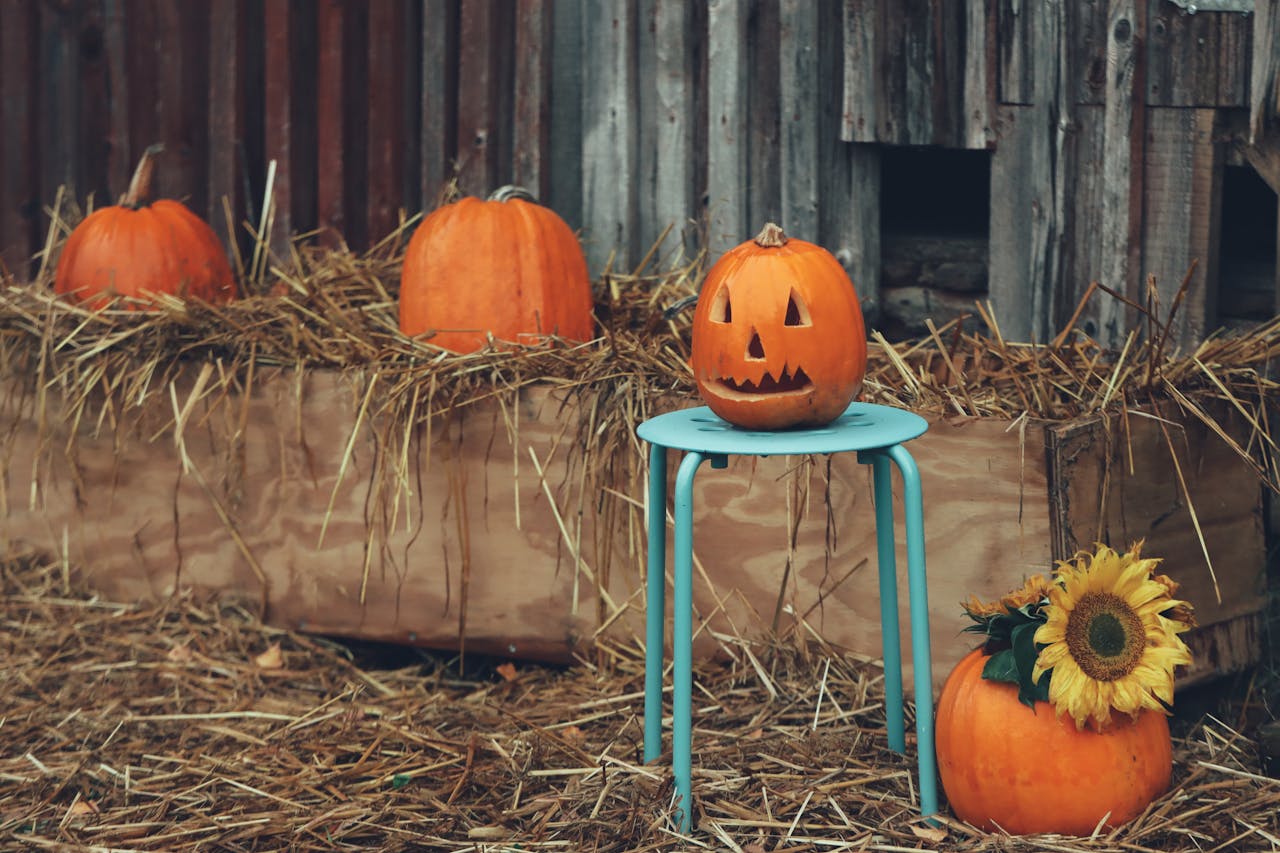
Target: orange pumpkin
<point>138,248</point>
<point>778,339</point>
<point>1026,770</point>
<point>506,267</point>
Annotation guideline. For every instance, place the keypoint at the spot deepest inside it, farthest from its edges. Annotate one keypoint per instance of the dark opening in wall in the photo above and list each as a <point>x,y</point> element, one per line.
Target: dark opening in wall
<point>935,191</point>
<point>934,212</point>
<point>1246,248</point>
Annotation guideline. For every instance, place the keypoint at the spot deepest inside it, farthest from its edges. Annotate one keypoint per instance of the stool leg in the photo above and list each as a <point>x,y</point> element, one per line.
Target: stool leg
<point>895,717</point>
<point>656,608</point>
<point>913,511</point>
<point>682,640</point>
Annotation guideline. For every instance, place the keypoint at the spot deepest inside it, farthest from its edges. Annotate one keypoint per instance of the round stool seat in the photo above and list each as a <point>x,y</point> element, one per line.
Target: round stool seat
<point>863,426</point>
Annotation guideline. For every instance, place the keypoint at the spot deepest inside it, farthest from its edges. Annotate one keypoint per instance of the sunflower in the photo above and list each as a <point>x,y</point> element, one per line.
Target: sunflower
<point>1033,591</point>
<point>1110,636</point>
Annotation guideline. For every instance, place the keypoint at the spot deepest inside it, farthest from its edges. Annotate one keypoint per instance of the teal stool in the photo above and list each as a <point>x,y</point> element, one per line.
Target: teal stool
<point>877,434</point>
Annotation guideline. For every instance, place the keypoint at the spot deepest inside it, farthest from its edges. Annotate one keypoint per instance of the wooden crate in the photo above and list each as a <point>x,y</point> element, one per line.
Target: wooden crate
<point>255,502</point>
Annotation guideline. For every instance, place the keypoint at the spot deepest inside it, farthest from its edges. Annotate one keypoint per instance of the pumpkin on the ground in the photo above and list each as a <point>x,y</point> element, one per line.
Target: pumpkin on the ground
<point>1026,770</point>
<point>778,337</point>
<point>506,267</point>
<point>139,248</point>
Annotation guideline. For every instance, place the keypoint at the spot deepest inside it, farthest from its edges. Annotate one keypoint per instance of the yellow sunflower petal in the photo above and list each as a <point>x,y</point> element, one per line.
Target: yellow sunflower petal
<point>1110,639</point>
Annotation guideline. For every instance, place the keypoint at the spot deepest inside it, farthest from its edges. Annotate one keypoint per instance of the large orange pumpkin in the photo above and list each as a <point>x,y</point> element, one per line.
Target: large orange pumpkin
<point>778,339</point>
<point>506,267</point>
<point>138,248</point>
<point>1026,770</point>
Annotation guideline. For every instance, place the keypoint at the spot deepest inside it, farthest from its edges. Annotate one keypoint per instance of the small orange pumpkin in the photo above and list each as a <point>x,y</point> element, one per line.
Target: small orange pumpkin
<point>1026,770</point>
<point>778,339</point>
<point>138,248</point>
<point>506,267</point>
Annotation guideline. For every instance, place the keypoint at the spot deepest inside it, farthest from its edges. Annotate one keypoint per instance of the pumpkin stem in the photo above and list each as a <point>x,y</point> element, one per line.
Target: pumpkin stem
<point>511,191</point>
<point>771,236</point>
<point>139,192</point>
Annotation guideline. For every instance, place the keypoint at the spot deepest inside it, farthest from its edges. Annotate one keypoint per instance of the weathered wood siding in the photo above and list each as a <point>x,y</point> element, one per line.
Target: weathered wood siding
<point>1107,120</point>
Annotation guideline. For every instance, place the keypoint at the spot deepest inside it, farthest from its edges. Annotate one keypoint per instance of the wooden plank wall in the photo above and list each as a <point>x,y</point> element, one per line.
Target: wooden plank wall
<point>1114,121</point>
<point>631,117</point>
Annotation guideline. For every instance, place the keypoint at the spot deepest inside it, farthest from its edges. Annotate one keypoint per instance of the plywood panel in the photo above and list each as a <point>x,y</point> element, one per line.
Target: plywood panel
<point>263,505</point>
<point>476,547</point>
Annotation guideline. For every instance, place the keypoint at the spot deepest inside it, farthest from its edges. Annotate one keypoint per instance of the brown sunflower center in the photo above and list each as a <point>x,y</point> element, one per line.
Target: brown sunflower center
<point>1105,636</point>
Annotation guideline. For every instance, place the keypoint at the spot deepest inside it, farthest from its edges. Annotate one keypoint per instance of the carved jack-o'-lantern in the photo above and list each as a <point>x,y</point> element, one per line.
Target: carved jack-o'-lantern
<point>778,339</point>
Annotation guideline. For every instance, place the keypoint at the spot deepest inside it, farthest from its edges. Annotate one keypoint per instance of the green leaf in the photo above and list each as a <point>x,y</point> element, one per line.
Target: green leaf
<point>399,780</point>
<point>1001,667</point>
<point>1024,654</point>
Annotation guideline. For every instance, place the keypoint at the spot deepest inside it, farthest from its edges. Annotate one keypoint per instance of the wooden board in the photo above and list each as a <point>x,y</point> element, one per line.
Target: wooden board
<point>1118,483</point>
<point>1197,60</point>
<point>1182,184</point>
<point>19,207</point>
<point>727,131</point>
<point>253,529</point>
<point>481,547</point>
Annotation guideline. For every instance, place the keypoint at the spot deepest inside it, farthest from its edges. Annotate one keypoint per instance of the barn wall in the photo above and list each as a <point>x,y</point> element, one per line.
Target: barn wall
<point>1108,122</point>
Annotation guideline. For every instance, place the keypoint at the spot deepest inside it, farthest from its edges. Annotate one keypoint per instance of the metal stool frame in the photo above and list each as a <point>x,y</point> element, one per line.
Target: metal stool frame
<point>876,433</point>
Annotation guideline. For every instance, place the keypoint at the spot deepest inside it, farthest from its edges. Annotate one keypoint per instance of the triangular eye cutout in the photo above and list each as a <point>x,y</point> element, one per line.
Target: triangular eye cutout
<point>721,310</point>
<point>797,311</point>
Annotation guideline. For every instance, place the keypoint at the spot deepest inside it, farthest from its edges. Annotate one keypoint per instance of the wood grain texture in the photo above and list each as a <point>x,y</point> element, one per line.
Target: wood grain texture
<point>609,136</point>
<point>439,132</point>
<point>120,161</point>
<point>226,119</point>
<point>532,97</point>
<point>1014,43</point>
<point>988,490</point>
<point>1197,60</point>
<point>565,164</point>
<point>979,74</point>
<point>479,82</point>
<point>1116,483</point>
<point>57,117</point>
<point>1091,31</point>
<point>850,192</point>
<point>1032,172</point>
<point>19,203</point>
<point>667,83</point>
<point>858,115</point>
<point>1182,188</point>
<point>1264,74</point>
<point>1083,261</point>
<point>727,130</point>
<point>333,61</point>
<point>387,123</point>
<point>278,96</point>
<point>799,103</point>
<point>1121,207</point>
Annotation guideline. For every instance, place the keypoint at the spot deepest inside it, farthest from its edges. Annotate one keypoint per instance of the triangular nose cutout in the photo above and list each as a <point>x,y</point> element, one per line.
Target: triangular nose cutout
<point>755,349</point>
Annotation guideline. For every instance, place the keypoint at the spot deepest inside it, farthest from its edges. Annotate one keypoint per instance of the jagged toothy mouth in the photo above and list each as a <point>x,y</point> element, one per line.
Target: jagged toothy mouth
<point>768,385</point>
